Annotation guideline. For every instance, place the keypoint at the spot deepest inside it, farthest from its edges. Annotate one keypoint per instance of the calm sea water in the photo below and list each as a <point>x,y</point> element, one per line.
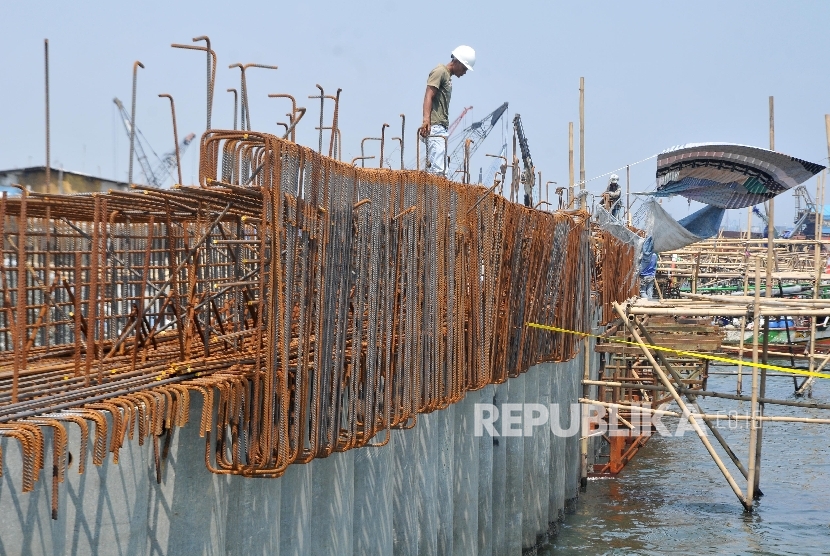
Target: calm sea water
<point>672,499</point>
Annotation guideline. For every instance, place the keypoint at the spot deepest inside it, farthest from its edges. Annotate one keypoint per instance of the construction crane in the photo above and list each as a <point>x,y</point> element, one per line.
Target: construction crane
<point>457,121</point>
<point>765,220</point>
<point>165,164</point>
<point>492,172</point>
<point>805,215</point>
<point>477,131</point>
<point>528,177</point>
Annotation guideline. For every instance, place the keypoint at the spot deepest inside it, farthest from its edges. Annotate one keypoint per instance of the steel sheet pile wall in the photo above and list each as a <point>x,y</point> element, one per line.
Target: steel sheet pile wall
<point>313,305</point>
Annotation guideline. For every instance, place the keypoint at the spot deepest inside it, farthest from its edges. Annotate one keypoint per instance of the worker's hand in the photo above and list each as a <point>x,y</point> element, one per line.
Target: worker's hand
<point>424,129</point>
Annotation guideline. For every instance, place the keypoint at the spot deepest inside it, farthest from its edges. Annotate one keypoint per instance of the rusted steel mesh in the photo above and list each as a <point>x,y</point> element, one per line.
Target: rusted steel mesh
<point>617,253</point>
<point>314,306</point>
<point>617,275</point>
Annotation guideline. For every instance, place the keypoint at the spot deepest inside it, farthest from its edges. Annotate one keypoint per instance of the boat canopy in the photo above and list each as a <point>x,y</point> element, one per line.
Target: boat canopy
<point>727,175</point>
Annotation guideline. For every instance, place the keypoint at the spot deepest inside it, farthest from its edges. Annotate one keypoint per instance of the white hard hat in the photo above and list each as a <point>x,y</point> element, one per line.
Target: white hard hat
<point>466,55</point>
<point>614,178</point>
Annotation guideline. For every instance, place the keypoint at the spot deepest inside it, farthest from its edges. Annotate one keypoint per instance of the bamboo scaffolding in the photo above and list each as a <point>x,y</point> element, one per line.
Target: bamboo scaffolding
<point>705,393</point>
<point>711,416</point>
<point>693,400</point>
<point>686,413</point>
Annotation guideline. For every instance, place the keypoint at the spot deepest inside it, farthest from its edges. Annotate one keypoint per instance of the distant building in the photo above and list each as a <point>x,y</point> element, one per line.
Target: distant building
<point>63,181</point>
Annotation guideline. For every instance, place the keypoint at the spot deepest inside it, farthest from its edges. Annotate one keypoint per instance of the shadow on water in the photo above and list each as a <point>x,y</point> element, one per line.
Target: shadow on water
<point>672,499</point>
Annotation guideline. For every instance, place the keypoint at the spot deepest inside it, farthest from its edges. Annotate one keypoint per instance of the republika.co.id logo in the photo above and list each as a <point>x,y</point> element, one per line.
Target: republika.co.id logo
<point>584,419</point>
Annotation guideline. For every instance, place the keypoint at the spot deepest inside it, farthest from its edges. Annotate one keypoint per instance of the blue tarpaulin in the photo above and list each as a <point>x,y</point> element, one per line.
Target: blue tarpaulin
<point>669,234</point>
<point>705,222</point>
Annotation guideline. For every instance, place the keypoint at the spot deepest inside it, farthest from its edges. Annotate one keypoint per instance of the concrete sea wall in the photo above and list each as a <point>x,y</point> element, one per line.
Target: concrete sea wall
<point>436,488</point>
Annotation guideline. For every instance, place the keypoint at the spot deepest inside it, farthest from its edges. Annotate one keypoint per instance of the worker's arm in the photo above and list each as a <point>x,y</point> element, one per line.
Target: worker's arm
<point>430,92</point>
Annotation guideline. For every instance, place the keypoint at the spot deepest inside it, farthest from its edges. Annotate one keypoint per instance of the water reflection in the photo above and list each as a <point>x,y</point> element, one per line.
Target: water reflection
<point>672,498</point>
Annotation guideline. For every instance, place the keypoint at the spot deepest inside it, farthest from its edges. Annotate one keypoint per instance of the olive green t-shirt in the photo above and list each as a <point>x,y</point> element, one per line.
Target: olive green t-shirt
<point>441,79</point>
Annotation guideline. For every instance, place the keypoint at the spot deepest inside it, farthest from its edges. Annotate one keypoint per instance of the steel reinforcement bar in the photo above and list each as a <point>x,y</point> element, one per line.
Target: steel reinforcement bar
<point>314,305</point>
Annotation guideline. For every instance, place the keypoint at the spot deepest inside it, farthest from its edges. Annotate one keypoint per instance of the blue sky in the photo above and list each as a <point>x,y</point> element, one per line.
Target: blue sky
<point>657,74</point>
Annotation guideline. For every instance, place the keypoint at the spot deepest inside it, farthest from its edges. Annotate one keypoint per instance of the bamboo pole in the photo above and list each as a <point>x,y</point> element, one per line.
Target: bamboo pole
<point>771,211</point>
<point>817,283</point>
<point>659,291</point>
<point>772,263</point>
<point>741,355</point>
<point>702,300</point>
<point>686,413</point>
<point>819,236</point>
<point>583,447</point>
<point>628,193</point>
<point>46,87</point>
<point>695,270</point>
<point>742,299</point>
<point>753,437</point>
<point>714,311</point>
<point>704,393</point>
<point>743,318</point>
<point>711,416</point>
<point>693,400</point>
<point>582,202</point>
<point>570,164</point>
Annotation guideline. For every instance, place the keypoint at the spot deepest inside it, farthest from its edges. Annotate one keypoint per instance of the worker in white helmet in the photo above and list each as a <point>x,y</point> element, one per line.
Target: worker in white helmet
<point>611,196</point>
<point>437,106</point>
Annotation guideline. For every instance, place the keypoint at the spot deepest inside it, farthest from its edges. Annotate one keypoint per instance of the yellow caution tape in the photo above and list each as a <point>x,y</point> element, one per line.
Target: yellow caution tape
<point>682,352</point>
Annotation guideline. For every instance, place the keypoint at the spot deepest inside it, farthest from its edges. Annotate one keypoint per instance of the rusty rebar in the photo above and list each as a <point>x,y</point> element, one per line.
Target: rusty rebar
<point>502,169</point>
<point>175,135</point>
<point>547,189</point>
<point>467,143</point>
<point>337,154</point>
<point>136,65</point>
<point>46,86</point>
<point>400,146</point>
<point>382,137</point>
<point>209,81</point>
<point>322,97</point>
<point>211,77</point>
<point>294,121</point>
<point>403,136</point>
<point>203,307</point>
<point>235,103</point>
<point>245,115</point>
<point>334,147</point>
<point>293,111</point>
<point>362,153</point>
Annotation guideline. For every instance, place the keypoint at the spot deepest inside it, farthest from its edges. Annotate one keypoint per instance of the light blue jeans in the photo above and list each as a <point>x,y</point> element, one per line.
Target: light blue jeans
<point>646,287</point>
<point>437,150</point>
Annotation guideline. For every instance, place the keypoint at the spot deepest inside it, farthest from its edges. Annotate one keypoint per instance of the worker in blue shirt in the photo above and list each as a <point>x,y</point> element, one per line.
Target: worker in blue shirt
<point>648,269</point>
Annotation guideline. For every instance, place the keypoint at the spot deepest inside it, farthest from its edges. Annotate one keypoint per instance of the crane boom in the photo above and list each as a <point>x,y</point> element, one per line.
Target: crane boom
<point>139,147</point>
<point>477,131</point>
<point>763,216</point>
<point>490,176</point>
<point>529,172</point>
<point>457,121</point>
<point>166,163</point>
